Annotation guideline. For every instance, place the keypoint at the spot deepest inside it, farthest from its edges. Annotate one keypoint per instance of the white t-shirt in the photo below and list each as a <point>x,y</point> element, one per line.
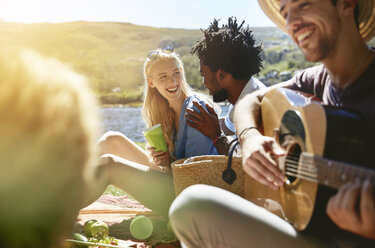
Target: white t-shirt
<point>253,85</point>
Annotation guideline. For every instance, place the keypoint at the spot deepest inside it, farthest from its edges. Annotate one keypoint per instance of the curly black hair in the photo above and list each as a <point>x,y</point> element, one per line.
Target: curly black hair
<point>231,47</point>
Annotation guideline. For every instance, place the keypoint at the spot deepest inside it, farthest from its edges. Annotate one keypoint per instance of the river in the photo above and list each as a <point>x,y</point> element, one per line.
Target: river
<point>128,121</point>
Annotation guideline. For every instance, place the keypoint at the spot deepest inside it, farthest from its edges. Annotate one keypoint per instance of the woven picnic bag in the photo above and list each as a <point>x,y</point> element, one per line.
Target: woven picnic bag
<point>209,170</point>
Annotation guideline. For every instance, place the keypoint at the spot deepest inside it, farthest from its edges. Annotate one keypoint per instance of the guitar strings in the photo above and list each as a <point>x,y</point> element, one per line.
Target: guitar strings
<point>308,172</point>
<point>305,171</point>
<point>301,174</point>
<point>305,167</point>
<point>297,170</point>
<point>302,177</point>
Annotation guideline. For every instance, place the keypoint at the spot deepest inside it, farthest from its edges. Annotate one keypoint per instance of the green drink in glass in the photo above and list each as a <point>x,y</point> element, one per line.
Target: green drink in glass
<point>155,138</point>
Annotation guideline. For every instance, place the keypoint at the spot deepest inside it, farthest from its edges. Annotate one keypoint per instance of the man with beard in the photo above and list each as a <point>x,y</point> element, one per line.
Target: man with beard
<point>228,59</point>
<point>332,32</point>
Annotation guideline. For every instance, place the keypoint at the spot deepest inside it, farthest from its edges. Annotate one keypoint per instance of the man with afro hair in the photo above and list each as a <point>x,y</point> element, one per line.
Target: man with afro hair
<point>228,60</point>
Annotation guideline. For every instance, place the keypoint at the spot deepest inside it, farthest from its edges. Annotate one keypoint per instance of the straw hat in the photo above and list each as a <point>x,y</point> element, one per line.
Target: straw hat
<point>366,16</point>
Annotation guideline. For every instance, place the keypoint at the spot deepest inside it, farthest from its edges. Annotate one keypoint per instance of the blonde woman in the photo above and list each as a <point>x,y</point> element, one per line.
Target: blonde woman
<point>167,96</point>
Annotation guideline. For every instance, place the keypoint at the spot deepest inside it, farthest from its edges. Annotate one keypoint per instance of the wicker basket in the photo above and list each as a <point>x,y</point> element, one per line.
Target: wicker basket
<point>207,170</point>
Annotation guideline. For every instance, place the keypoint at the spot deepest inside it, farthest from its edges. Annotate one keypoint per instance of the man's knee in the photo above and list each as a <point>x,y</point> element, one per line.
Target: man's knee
<point>197,214</point>
<point>194,203</point>
<point>182,205</point>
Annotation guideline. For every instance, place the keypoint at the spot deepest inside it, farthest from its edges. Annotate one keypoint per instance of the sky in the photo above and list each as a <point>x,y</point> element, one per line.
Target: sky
<point>188,14</point>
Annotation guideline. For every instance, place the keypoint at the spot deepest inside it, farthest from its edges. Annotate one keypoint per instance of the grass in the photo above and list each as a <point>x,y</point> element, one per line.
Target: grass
<point>112,190</point>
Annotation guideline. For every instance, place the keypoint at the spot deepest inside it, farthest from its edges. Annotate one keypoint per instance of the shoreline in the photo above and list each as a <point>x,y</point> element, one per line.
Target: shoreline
<point>120,105</point>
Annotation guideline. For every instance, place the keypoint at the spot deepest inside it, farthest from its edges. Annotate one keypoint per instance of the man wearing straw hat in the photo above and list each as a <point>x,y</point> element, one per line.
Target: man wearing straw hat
<point>332,32</point>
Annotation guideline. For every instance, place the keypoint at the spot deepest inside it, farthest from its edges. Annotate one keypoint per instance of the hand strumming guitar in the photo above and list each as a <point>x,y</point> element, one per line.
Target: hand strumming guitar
<point>256,159</point>
<point>257,148</point>
<point>341,209</point>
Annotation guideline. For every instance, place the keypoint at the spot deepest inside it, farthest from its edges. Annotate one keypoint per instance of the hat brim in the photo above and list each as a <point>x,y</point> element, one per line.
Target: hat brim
<point>366,16</point>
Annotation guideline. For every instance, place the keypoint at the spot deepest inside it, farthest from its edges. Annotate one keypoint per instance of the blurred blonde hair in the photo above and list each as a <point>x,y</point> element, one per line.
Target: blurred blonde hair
<point>48,129</point>
<point>156,109</point>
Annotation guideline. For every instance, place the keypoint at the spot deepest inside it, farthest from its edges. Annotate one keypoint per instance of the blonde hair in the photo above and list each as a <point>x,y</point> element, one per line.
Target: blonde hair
<point>156,109</point>
<point>48,129</point>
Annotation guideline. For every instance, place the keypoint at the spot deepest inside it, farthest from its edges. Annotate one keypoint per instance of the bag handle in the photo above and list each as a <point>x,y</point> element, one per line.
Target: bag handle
<point>229,175</point>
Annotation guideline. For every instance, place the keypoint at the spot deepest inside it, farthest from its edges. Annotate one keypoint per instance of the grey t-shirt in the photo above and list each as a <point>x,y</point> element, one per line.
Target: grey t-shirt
<point>360,95</point>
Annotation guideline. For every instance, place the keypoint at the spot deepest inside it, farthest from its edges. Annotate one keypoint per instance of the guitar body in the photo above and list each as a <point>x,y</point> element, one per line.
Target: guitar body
<point>300,125</point>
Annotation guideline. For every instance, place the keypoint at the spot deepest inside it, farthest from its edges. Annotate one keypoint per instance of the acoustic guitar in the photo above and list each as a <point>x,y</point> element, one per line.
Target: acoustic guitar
<point>325,148</point>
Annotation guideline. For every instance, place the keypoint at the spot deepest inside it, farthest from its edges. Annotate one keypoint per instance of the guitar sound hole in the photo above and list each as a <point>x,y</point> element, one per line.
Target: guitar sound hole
<point>291,162</point>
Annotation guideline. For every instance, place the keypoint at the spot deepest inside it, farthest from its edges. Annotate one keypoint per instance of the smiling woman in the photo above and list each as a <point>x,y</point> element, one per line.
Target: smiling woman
<point>166,98</point>
<point>167,95</point>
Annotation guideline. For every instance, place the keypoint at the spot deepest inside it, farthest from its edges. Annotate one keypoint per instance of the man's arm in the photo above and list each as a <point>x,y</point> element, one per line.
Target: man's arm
<point>224,127</point>
<point>207,122</point>
<point>256,148</point>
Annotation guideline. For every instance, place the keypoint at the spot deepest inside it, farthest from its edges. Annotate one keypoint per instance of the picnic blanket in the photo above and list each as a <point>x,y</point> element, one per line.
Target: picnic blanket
<point>118,212</point>
<point>112,209</point>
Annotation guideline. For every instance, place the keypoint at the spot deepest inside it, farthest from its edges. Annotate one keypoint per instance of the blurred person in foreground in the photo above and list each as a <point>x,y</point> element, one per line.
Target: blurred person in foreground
<point>333,32</point>
<point>48,129</point>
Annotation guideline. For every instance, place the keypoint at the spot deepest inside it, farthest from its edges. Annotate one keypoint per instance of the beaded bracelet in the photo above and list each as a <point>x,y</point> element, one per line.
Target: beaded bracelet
<point>244,131</point>
<point>214,140</point>
<point>221,136</point>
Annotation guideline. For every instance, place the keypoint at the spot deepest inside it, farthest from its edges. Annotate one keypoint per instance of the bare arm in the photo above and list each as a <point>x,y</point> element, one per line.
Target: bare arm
<point>256,148</point>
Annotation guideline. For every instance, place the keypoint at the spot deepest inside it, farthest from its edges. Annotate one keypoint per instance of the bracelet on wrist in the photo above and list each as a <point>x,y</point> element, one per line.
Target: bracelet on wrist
<point>218,138</point>
<point>214,140</point>
<point>243,132</point>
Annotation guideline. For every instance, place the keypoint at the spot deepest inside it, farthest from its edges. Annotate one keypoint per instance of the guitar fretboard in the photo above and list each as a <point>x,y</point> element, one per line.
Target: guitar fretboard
<point>334,173</point>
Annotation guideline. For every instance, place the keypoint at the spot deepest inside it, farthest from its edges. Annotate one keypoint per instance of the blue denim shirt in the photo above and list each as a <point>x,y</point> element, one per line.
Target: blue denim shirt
<point>189,141</point>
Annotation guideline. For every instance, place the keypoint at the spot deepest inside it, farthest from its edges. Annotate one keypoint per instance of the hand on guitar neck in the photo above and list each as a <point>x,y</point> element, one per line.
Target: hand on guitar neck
<point>342,210</point>
<point>301,141</point>
<point>258,152</point>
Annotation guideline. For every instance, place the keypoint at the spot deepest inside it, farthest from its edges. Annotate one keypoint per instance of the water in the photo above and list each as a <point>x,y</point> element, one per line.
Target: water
<point>128,120</point>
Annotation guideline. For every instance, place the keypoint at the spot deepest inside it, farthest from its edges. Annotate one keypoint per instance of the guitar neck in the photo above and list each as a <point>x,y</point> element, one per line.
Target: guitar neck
<point>334,173</point>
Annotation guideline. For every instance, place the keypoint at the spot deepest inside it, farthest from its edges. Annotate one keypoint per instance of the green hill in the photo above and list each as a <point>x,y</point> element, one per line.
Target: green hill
<point>111,55</point>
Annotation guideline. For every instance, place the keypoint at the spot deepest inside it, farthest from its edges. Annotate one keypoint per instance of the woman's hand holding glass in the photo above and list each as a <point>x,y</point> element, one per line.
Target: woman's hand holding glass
<point>160,158</point>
